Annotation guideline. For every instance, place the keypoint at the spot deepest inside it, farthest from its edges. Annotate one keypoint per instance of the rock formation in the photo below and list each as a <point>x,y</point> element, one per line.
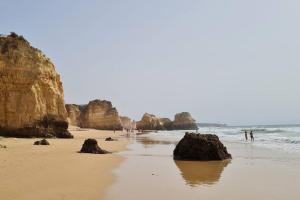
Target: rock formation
<point>96,114</point>
<point>184,121</point>
<point>110,139</point>
<point>91,146</point>
<point>200,147</point>
<point>31,93</point>
<point>127,123</point>
<point>74,112</point>
<point>150,122</point>
<point>41,142</point>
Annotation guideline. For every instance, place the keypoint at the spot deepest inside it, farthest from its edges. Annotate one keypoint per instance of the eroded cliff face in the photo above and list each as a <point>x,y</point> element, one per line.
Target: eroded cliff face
<point>96,114</point>
<point>74,112</point>
<point>127,123</point>
<point>184,121</point>
<point>150,122</point>
<point>31,93</point>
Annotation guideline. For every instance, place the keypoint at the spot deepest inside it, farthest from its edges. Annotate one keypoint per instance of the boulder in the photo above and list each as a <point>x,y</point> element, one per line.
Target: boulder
<point>200,147</point>
<point>96,114</point>
<point>91,146</point>
<point>184,121</point>
<point>41,142</point>
<point>31,92</point>
<point>110,139</point>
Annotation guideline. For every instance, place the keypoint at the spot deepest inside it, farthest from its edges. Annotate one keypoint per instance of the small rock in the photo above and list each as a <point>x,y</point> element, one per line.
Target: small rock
<point>3,146</point>
<point>110,139</point>
<point>41,142</point>
<point>91,146</point>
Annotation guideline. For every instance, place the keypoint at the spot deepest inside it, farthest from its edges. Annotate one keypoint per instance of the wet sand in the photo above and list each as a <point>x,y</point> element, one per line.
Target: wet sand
<point>29,172</point>
<point>149,172</point>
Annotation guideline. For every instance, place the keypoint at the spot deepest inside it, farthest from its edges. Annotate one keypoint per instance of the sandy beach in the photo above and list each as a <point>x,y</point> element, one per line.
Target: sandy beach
<point>54,172</point>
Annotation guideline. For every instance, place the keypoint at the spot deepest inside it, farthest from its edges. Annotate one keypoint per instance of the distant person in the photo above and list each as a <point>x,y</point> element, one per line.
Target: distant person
<point>251,136</point>
<point>246,135</point>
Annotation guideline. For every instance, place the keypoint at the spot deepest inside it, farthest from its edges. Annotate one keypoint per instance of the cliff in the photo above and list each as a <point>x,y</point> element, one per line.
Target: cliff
<point>150,122</point>
<point>127,123</point>
<point>96,114</point>
<point>31,93</point>
<point>184,121</point>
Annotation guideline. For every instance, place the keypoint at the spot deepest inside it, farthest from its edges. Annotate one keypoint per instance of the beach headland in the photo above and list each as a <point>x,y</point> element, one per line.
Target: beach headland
<point>58,171</point>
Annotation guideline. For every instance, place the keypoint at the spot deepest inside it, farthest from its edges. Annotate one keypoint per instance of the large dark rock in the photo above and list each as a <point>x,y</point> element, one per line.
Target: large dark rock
<point>91,146</point>
<point>41,142</point>
<point>200,147</point>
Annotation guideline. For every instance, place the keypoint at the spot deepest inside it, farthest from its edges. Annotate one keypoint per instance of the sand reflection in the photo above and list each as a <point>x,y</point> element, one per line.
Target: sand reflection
<point>201,173</point>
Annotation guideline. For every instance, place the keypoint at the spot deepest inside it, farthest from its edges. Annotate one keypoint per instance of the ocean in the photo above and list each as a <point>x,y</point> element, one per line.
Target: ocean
<point>279,137</point>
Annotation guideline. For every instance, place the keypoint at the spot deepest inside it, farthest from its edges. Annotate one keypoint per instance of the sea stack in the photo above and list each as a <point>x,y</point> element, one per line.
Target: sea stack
<point>203,147</point>
<point>98,114</point>
<point>150,122</point>
<point>31,93</point>
<point>184,121</point>
<point>127,123</point>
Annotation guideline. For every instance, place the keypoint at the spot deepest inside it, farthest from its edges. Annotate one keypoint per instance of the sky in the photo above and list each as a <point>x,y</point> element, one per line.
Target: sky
<point>226,61</point>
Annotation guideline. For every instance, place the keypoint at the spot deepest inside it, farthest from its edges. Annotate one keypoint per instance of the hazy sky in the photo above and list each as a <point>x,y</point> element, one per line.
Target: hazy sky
<point>230,61</point>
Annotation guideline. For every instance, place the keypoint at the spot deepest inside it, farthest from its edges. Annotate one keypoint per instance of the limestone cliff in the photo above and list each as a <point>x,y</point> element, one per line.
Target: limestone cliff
<point>96,114</point>
<point>127,123</point>
<point>184,121</point>
<point>31,93</point>
<point>74,112</point>
<point>150,122</point>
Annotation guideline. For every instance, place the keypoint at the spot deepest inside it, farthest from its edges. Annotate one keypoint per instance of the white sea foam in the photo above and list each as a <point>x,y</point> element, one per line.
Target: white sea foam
<point>286,137</point>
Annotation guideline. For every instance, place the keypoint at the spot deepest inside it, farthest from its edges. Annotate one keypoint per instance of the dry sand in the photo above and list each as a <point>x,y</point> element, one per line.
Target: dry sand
<point>29,172</point>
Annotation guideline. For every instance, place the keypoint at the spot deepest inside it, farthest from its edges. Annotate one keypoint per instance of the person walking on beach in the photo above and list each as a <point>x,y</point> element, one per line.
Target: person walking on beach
<point>246,136</point>
<point>251,136</point>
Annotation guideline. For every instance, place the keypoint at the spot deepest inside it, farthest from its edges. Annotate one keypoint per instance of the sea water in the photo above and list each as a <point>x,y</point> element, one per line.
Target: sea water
<point>279,137</point>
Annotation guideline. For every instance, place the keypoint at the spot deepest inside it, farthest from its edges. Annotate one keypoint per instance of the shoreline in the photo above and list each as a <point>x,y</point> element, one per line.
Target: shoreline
<point>58,171</point>
<point>254,173</point>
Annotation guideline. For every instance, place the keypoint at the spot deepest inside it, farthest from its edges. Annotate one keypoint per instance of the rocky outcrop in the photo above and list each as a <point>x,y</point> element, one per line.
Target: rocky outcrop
<point>200,147</point>
<point>184,121</point>
<point>31,93</point>
<point>127,123</point>
<point>74,112</point>
<point>150,122</point>
<point>91,146</point>
<point>110,139</point>
<point>96,114</point>
<point>166,123</point>
<point>41,142</point>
